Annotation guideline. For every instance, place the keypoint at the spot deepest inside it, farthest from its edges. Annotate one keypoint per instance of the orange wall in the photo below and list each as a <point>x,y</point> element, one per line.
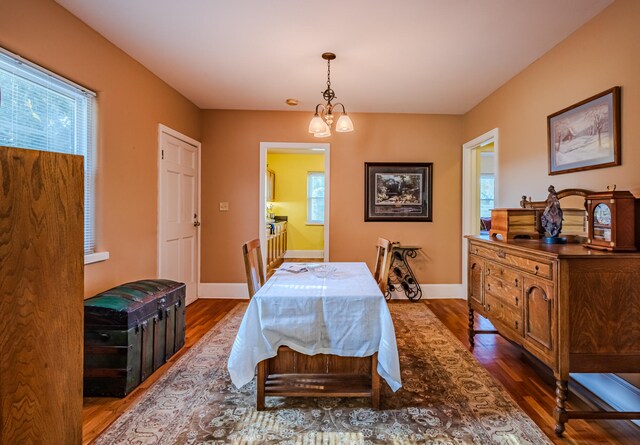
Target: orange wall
<point>230,172</point>
<point>131,103</point>
<point>603,53</point>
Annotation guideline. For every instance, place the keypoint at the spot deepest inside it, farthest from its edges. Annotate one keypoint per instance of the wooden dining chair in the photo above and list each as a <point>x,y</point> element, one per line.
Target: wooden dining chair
<point>253,265</point>
<point>383,262</point>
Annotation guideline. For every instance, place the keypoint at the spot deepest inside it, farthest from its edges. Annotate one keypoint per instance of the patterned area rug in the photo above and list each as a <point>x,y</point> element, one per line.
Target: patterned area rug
<point>446,398</point>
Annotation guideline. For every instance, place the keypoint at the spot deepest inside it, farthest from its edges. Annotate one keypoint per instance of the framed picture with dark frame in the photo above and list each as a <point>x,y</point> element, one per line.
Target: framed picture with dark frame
<point>586,135</point>
<point>398,191</point>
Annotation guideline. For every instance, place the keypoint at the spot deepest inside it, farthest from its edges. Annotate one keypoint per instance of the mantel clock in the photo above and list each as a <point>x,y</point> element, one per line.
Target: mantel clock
<point>611,216</point>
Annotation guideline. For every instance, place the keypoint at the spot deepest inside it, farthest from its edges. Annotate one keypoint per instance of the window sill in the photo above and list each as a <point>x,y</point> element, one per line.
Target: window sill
<point>96,257</point>
<point>314,224</point>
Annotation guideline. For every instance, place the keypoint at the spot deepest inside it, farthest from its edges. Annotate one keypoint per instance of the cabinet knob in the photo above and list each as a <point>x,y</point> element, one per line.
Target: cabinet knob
<point>489,307</point>
<point>516,303</point>
<point>536,270</point>
<point>488,286</point>
<point>501,253</point>
<point>516,282</point>
<point>516,324</point>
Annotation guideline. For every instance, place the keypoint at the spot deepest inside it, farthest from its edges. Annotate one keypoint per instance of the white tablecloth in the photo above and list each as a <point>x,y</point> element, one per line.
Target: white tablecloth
<point>343,314</point>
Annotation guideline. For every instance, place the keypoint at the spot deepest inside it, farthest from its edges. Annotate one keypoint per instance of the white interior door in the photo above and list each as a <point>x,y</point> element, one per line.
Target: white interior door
<point>179,222</point>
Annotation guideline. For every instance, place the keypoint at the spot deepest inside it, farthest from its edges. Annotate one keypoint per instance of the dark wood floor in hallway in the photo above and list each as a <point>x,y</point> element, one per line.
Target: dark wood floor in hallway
<point>530,387</point>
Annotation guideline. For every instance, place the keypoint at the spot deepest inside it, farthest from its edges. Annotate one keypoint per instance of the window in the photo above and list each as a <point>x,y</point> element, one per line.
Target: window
<point>487,195</point>
<point>42,111</point>
<point>315,198</point>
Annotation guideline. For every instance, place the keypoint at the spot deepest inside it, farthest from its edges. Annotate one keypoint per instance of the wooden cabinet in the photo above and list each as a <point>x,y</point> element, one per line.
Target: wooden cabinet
<point>575,309</point>
<point>41,222</point>
<point>276,244</point>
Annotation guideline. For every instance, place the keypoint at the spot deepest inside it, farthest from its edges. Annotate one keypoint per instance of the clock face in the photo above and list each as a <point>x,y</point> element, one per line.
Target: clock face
<point>602,222</point>
<point>602,215</point>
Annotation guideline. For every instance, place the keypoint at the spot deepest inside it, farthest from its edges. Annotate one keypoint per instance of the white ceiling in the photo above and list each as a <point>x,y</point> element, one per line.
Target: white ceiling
<point>402,56</point>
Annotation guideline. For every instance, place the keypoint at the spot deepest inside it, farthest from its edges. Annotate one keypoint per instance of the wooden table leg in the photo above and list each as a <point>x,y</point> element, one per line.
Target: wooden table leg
<point>375,382</point>
<point>560,413</point>
<point>261,379</point>
<point>471,331</point>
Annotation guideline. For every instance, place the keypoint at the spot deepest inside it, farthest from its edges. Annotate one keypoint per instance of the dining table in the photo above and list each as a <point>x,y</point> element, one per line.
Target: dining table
<point>317,329</point>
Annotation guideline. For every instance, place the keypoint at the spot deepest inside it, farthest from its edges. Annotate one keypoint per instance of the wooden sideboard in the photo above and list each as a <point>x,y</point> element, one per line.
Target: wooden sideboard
<point>575,309</point>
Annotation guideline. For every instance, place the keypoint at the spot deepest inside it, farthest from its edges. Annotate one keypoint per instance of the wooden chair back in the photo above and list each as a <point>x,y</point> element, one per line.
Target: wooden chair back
<point>383,262</point>
<point>253,265</point>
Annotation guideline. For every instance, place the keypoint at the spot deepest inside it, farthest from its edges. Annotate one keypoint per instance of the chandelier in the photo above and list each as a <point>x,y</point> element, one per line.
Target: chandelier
<point>322,120</point>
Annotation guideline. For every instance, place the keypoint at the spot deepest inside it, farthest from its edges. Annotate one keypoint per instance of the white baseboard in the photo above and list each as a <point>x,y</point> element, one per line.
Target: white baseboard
<point>239,290</point>
<point>435,291</point>
<point>304,254</point>
<point>223,290</point>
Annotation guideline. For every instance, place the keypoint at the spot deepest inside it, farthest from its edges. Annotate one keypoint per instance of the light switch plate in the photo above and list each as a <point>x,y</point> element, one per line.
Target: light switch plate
<point>224,206</point>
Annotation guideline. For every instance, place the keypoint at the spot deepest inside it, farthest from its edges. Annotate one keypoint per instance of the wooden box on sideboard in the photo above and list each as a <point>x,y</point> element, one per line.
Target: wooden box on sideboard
<point>514,223</point>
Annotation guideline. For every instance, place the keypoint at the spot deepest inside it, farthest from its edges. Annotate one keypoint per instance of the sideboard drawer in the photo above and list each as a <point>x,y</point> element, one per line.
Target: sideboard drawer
<point>512,258</point>
<point>508,276</point>
<point>503,313</point>
<point>507,292</point>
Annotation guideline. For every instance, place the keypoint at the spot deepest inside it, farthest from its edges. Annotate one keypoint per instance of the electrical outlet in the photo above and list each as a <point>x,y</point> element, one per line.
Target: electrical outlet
<point>224,206</point>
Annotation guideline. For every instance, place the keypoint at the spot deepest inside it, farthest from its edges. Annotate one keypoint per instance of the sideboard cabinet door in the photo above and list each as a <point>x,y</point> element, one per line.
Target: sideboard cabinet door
<point>476,271</point>
<point>540,319</point>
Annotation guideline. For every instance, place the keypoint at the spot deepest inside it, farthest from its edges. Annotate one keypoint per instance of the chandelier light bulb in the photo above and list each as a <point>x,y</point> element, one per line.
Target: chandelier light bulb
<point>317,125</point>
<point>324,134</point>
<point>344,124</point>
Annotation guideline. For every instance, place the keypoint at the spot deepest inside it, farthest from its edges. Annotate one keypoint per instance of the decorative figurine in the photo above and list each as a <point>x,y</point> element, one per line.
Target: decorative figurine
<point>552,219</point>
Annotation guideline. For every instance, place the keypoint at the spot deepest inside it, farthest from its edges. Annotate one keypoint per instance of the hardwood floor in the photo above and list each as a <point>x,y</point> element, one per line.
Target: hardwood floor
<point>529,386</point>
<point>529,383</point>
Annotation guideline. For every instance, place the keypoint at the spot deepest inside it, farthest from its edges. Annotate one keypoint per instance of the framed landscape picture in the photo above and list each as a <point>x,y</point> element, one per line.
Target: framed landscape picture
<point>398,191</point>
<point>585,135</point>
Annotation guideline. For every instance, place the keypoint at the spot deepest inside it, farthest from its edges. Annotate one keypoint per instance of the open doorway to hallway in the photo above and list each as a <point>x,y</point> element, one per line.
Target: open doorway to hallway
<point>480,178</point>
<point>485,197</point>
<point>294,203</point>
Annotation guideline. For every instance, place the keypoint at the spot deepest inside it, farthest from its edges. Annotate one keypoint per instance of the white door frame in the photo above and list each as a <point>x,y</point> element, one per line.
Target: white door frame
<point>164,129</point>
<point>264,148</point>
<point>470,214</point>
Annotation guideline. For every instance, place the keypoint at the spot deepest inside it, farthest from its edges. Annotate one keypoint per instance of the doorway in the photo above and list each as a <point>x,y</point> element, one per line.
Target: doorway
<point>295,195</point>
<point>179,209</point>
<point>479,188</point>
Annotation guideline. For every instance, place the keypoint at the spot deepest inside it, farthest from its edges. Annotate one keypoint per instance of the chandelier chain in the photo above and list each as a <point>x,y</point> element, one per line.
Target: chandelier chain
<point>328,94</point>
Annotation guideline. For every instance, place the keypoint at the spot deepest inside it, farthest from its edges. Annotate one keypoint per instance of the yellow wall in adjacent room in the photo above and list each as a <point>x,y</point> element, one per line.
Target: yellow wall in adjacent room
<point>291,197</point>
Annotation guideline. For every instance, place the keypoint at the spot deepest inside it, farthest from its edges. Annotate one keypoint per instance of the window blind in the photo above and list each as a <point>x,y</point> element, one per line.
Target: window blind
<point>43,111</point>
